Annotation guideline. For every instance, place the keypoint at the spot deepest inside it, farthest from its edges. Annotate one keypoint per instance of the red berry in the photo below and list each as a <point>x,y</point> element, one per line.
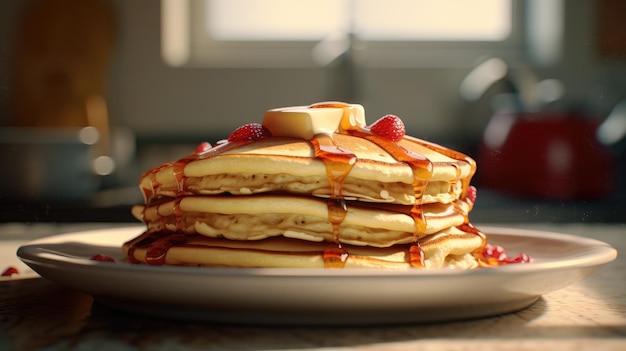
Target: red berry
<point>102,258</point>
<point>498,254</point>
<point>252,131</point>
<point>202,147</point>
<point>471,194</point>
<point>10,271</point>
<point>494,251</point>
<point>521,258</point>
<point>389,127</point>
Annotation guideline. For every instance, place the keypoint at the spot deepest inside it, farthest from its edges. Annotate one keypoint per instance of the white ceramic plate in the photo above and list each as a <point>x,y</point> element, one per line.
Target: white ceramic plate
<point>315,296</point>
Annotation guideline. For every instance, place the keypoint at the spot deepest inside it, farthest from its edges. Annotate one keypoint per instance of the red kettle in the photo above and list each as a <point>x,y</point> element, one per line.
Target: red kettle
<point>548,155</point>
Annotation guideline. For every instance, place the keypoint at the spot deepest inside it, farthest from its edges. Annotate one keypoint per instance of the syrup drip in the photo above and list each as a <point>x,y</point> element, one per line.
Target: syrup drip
<point>455,155</point>
<point>148,193</point>
<point>469,228</point>
<point>416,255</point>
<point>422,172</point>
<point>179,172</point>
<point>157,250</point>
<point>335,256</point>
<point>339,163</point>
<point>179,166</point>
<point>144,239</point>
<point>158,242</point>
<point>458,156</point>
<point>178,213</point>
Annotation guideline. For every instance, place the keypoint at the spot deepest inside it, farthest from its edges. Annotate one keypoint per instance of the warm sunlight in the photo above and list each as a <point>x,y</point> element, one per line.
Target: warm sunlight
<point>447,20</point>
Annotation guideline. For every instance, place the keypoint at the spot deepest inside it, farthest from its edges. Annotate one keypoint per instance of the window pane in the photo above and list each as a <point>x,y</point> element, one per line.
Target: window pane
<point>267,20</point>
<point>274,19</point>
<point>433,19</point>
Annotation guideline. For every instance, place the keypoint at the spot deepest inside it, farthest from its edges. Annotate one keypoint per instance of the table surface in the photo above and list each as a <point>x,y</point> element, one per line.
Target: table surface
<point>38,314</point>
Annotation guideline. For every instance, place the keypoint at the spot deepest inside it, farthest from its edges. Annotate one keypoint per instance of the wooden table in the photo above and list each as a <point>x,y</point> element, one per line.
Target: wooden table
<point>590,315</point>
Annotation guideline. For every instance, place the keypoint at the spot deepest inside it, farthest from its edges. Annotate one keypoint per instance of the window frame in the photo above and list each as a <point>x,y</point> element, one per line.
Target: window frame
<point>205,51</point>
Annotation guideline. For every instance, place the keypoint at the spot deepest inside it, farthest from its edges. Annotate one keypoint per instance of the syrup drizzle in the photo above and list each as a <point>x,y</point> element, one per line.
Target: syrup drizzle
<point>159,242</point>
<point>422,169</point>
<point>455,155</point>
<point>178,214</point>
<point>339,163</point>
<point>149,193</point>
<point>416,255</point>
<point>478,253</point>
<point>420,166</point>
<point>178,169</point>
<point>147,238</point>
<point>465,183</point>
<point>157,250</point>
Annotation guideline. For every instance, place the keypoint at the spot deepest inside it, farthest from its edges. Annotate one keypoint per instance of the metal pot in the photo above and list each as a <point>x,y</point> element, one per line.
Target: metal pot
<point>50,164</point>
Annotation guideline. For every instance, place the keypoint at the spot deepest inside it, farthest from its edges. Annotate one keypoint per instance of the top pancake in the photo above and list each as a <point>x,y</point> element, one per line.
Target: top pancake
<point>285,164</point>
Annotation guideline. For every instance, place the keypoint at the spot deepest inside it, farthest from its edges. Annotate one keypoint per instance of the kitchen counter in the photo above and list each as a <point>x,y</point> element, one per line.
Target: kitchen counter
<point>38,314</point>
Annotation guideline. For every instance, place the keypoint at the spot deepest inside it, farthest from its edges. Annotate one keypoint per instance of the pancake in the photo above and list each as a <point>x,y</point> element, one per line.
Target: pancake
<point>290,165</point>
<point>263,216</point>
<point>448,249</point>
<point>312,186</point>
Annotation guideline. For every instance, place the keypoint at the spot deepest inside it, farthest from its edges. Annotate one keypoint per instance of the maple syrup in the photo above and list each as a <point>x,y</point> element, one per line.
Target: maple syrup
<point>338,162</point>
<point>416,255</point>
<point>178,213</point>
<point>455,155</point>
<point>420,165</point>
<point>149,193</point>
<point>157,250</point>
<point>157,246</point>
<point>335,256</point>
<point>179,172</point>
<point>145,239</point>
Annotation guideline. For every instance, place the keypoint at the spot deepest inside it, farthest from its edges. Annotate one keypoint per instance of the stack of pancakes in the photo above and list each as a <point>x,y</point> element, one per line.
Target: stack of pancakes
<point>316,197</point>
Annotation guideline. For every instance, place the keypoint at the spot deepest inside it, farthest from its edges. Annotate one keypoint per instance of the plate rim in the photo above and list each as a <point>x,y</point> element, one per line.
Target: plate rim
<point>598,253</point>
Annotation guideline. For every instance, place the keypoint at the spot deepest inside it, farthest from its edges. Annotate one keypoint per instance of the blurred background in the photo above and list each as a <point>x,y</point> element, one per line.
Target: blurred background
<point>94,92</point>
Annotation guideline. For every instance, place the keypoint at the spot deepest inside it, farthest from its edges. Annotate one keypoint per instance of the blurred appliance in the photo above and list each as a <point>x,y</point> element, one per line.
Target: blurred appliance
<point>48,164</point>
<point>58,144</point>
<point>534,147</point>
<point>548,155</point>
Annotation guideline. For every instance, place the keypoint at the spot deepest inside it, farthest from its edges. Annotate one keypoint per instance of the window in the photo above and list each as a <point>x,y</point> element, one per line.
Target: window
<point>300,33</point>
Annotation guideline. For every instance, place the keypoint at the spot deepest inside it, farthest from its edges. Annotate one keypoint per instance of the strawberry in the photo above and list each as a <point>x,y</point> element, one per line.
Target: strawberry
<point>202,147</point>
<point>251,131</point>
<point>389,127</point>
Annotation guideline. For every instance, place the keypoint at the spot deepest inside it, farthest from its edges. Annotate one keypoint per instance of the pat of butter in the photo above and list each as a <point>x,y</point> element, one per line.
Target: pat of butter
<point>304,122</point>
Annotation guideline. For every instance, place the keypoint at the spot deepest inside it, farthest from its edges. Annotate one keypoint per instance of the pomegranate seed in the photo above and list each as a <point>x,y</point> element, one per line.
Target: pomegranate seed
<point>10,271</point>
<point>521,258</point>
<point>498,253</point>
<point>202,147</point>
<point>102,258</point>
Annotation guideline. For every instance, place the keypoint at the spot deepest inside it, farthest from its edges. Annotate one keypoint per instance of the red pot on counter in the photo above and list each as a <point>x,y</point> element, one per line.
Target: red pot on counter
<point>545,155</point>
